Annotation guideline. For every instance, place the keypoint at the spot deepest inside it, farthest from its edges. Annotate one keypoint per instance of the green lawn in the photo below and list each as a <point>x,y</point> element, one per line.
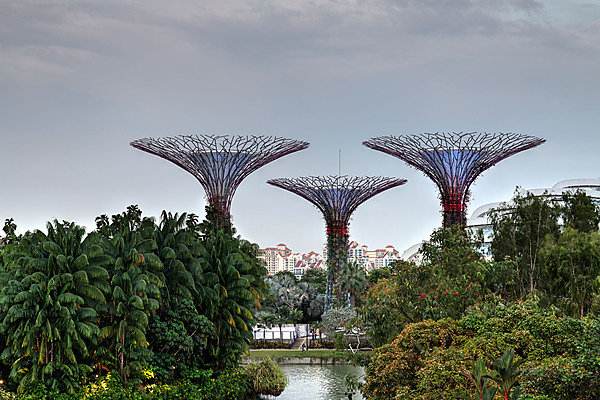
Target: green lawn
<point>295,353</point>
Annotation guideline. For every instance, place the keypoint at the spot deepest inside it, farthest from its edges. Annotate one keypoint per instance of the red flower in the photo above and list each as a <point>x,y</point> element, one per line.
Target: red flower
<point>423,295</point>
<point>456,293</point>
<point>435,297</point>
<point>446,292</point>
<point>476,294</point>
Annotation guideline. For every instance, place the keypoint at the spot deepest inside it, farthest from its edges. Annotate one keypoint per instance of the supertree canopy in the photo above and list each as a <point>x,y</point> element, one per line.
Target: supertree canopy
<point>453,161</point>
<point>337,197</point>
<point>220,163</point>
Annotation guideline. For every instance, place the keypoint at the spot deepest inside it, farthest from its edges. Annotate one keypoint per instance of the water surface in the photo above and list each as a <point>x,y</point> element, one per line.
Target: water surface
<point>318,382</point>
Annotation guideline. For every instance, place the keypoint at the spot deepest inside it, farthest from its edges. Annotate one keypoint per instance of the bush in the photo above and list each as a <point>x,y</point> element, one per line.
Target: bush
<point>428,359</point>
<point>267,378</point>
<point>270,344</point>
<point>337,318</point>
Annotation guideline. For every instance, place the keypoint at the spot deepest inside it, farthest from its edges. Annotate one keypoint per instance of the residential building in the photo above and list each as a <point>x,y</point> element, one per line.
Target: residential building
<point>369,259</point>
<point>281,258</point>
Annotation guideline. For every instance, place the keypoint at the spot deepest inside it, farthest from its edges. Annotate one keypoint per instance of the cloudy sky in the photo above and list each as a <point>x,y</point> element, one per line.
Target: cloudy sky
<point>80,79</point>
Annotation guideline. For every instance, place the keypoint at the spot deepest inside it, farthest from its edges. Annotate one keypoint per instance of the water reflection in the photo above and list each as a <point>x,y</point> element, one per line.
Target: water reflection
<point>318,382</point>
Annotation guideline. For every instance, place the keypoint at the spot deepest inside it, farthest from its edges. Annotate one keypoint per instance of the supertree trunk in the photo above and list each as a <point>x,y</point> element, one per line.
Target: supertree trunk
<point>337,197</point>
<point>338,241</point>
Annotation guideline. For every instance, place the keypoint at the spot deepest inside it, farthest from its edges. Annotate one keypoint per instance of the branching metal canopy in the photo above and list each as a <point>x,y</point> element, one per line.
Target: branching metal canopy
<point>220,163</point>
<point>337,197</point>
<point>453,160</point>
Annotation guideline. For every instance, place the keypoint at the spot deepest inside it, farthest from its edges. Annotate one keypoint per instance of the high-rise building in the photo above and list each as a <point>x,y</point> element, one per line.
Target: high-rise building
<point>372,259</point>
<point>281,258</point>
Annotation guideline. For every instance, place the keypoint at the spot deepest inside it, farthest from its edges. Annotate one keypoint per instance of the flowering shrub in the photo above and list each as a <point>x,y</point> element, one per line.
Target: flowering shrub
<point>428,359</point>
<point>453,277</point>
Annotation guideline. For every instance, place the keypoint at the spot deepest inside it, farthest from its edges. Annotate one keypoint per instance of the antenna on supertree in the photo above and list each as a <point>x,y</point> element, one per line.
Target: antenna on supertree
<point>453,161</point>
<point>337,197</point>
<point>220,163</point>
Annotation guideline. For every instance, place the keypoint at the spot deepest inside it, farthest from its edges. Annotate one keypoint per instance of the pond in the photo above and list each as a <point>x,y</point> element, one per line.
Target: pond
<point>318,382</point>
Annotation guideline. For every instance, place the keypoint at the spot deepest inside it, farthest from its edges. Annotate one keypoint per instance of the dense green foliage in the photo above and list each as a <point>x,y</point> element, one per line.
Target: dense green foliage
<point>267,377</point>
<point>134,302</point>
<point>521,325</point>
<point>290,301</point>
<point>433,359</point>
<point>353,280</point>
<point>453,277</point>
<point>558,264</point>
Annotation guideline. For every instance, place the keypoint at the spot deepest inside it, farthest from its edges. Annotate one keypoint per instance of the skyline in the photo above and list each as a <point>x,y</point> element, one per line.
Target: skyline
<point>81,79</point>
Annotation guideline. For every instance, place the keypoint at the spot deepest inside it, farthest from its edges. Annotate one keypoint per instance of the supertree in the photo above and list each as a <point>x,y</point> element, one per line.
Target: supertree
<point>453,161</point>
<point>220,163</point>
<point>337,197</point>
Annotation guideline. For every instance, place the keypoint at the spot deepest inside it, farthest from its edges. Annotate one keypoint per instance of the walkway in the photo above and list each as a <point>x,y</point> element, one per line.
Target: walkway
<point>297,345</point>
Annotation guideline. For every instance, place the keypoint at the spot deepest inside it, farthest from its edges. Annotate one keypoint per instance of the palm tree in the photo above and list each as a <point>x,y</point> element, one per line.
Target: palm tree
<point>235,275</point>
<point>65,248</point>
<point>179,251</point>
<point>505,374</point>
<point>130,305</point>
<point>134,292</point>
<point>353,279</point>
<point>186,289</point>
<point>483,384</point>
<point>59,279</point>
<point>48,328</point>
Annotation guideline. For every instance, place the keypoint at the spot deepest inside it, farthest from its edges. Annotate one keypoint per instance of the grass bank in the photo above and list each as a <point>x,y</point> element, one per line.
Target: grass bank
<point>275,353</point>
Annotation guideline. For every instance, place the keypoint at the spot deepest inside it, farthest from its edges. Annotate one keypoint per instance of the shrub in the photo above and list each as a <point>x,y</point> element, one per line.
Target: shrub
<point>430,359</point>
<point>267,377</point>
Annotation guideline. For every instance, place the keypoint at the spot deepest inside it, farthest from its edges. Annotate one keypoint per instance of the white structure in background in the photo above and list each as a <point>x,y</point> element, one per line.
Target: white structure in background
<point>369,259</point>
<point>281,258</point>
<point>480,218</point>
<point>412,253</point>
<point>288,332</point>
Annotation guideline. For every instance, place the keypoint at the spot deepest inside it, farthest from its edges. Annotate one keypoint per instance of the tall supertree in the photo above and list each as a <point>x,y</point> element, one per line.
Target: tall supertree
<point>337,197</point>
<point>453,161</point>
<point>220,163</point>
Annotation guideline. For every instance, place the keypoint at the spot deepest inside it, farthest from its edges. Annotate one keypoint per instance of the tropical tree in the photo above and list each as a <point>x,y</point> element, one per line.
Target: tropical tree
<point>452,278</point>
<point>130,304</point>
<point>353,280</point>
<point>520,229</point>
<point>178,331</point>
<point>48,330</point>
<point>580,212</point>
<point>10,235</point>
<point>236,277</point>
<point>178,338</point>
<point>178,248</point>
<point>60,277</point>
<point>287,296</point>
<point>66,249</point>
<point>483,384</point>
<point>506,374</point>
<point>316,276</point>
<point>573,270</point>
<point>134,291</point>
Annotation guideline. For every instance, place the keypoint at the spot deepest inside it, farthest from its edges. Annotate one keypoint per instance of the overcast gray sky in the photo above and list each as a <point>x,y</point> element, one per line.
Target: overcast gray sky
<point>80,79</point>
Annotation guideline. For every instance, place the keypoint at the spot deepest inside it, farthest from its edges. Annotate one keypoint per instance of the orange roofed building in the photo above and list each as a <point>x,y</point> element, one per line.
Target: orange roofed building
<point>281,258</point>
<point>372,259</point>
